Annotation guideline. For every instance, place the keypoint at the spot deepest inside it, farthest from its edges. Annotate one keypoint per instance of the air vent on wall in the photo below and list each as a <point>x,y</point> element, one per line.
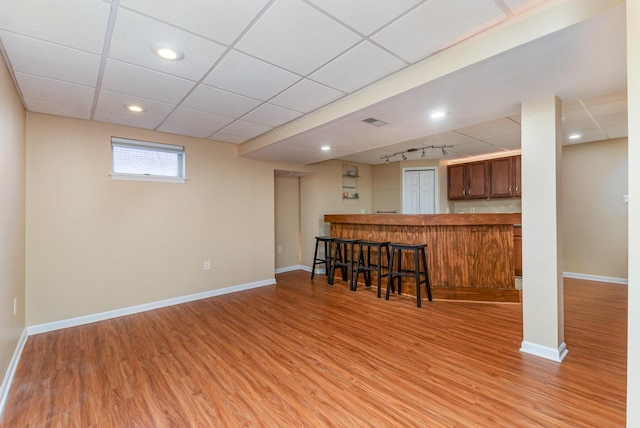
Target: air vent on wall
<point>373,121</point>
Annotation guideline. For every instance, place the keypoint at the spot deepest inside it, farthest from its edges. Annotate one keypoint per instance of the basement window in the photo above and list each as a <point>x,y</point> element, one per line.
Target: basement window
<point>146,161</point>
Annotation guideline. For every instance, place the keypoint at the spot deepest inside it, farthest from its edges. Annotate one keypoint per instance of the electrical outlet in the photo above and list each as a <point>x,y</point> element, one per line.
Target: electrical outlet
<point>279,249</point>
<point>207,265</point>
<point>472,209</point>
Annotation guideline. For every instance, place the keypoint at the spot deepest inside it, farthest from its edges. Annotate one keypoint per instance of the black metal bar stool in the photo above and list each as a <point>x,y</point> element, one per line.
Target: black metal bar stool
<point>366,266</point>
<point>344,257</point>
<point>326,259</point>
<point>419,255</point>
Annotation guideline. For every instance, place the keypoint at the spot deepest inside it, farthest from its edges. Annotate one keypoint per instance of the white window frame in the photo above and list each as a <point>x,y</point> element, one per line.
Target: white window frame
<point>146,145</point>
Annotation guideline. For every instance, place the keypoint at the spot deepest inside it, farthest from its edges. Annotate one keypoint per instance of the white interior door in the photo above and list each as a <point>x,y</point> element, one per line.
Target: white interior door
<point>419,191</point>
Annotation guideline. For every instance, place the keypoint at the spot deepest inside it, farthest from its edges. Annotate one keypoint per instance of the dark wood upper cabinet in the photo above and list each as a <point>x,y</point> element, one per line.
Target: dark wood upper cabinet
<point>493,178</point>
<point>505,177</point>
<point>468,180</point>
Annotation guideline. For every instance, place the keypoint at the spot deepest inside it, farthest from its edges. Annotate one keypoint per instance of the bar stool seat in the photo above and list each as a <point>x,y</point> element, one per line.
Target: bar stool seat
<point>421,275</point>
<point>344,257</point>
<point>326,259</point>
<point>365,265</point>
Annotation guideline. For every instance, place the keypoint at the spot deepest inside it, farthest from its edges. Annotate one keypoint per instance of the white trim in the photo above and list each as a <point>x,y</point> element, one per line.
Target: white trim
<point>290,269</point>
<point>552,354</point>
<point>127,142</point>
<point>144,177</point>
<point>11,371</point>
<point>611,279</point>
<point>88,319</point>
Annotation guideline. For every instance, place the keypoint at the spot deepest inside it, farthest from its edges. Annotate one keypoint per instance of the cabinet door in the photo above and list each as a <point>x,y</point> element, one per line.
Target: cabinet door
<point>478,179</point>
<point>501,177</point>
<point>456,182</point>
<point>517,181</point>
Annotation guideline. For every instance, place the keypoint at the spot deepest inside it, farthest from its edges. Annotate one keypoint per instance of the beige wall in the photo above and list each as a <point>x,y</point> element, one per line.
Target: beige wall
<point>287,221</point>
<point>321,193</point>
<point>595,231</point>
<point>387,184</point>
<point>95,244</point>
<point>12,217</point>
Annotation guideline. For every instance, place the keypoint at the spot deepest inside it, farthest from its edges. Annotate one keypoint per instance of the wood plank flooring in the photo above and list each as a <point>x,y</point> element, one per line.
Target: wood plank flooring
<point>306,354</point>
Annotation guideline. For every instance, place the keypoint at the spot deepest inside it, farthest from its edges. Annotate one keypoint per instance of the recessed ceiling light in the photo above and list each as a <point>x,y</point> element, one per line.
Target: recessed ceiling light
<point>325,148</point>
<point>167,52</point>
<point>574,136</point>
<point>134,108</point>
<point>438,114</point>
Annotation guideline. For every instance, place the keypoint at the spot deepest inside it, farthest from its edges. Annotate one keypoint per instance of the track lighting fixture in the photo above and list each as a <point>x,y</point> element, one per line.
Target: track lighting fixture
<point>414,149</point>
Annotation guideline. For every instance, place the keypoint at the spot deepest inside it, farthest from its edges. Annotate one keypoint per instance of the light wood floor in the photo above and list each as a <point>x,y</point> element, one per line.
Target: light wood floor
<point>303,353</point>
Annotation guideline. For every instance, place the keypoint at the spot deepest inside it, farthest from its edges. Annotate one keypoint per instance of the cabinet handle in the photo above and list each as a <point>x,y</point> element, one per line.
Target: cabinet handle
<point>516,189</point>
<point>464,192</point>
<point>510,190</point>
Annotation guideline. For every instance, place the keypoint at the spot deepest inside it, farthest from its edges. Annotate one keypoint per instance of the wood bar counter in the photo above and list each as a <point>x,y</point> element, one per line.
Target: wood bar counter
<point>470,256</point>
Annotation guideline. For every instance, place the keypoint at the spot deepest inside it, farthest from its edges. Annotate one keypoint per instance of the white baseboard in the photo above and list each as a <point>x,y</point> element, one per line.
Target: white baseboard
<point>552,354</point>
<point>88,319</point>
<point>11,371</point>
<point>291,268</point>
<point>611,279</point>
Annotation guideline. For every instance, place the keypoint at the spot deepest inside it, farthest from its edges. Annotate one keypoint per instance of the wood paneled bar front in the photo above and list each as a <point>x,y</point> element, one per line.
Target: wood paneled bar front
<point>469,256</point>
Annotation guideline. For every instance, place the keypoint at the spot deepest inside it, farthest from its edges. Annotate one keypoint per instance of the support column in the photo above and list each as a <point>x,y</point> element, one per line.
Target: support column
<point>633,103</point>
<point>542,289</point>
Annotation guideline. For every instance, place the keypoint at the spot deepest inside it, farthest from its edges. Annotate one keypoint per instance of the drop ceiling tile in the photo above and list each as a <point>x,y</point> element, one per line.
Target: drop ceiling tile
<point>617,131</point>
<point>616,96</point>
<point>614,120</point>
<point>33,56</point>
<point>114,102</point>
<point>124,119</point>
<point>594,134</point>
<point>484,125</point>
<point>510,129</point>
<point>366,16</point>
<point>227,138</point>
<point>437,25</point>
<point>575,115</point>
<point>297,37</point>
<point>271,115</point>
<point>358,67</point>
<point>181,130</point>
<point>306,96</point>
<point>143,82</point>
<point>208,99</point>
<point>189,118</point>
<point>43,89</point>
<point>518,6</point>
<point>578,126</point>
<point>505,141</point>
<point>474,149</point>
<point>135,35</point>
<point>219,20</point>
<point>245,129</point>
<point>608,109</point>
<point>39,106</point>
<point>245,75</point>
<point>79,24</point>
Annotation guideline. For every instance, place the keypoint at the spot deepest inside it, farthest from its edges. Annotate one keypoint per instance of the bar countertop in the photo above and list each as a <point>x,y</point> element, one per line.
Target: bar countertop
<point>426,219</point>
